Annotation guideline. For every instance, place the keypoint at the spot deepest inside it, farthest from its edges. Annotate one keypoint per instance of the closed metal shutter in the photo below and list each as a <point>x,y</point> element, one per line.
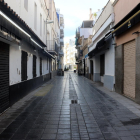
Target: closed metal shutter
<point>129,68</point>
<point>4,76</point>
<point>34,66</point>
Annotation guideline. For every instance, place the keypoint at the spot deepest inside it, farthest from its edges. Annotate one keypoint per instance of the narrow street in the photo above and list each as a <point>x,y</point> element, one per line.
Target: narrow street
<point>52,114</point>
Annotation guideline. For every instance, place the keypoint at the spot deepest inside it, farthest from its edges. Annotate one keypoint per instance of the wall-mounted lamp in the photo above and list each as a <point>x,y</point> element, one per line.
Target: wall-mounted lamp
<point>137,33</point>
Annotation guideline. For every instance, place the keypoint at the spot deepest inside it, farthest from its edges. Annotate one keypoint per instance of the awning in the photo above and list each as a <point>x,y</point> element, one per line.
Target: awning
<point>80,61</point>
<point>131,19</point>
<point>102,45</point>
<point>14,26</point>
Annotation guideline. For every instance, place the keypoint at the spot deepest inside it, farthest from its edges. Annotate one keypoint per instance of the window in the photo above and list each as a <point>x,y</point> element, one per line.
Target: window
<point>44,27</point>
<point>40,66</point>
<point>91,67</point>
<point>24,66</point>
<point>35,16</point>
<point>34,66</point>
<point>26,4</point>
<point>40,25</point>
<point>102,64</point>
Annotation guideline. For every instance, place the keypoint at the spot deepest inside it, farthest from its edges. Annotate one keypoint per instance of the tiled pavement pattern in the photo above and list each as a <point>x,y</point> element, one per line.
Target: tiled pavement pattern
<point>95,115</point>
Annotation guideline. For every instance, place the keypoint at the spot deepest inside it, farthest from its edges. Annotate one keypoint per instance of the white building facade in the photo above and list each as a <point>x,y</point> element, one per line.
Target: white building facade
<point>69,58</point>
<point>61,49</point>
<point>101,51</point>
<point>27,58</point>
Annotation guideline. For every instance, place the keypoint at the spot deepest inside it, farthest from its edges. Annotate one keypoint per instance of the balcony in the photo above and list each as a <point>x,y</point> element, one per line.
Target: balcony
<point>61,40</point>
<point>85,44</point>
<point>61,20</point>
<point>52,47</point>
<point>61,53</point>
<point>61,31</point>
<point>61,35</point>
<point>61,44</point>
<point>77,56</point>
<point>61,27</point>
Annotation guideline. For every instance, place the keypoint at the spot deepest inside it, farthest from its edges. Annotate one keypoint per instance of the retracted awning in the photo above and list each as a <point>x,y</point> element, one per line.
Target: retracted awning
<point>102,45</point>
<point>80,61</point>
<point>131,19</point>
<point>99,45</point>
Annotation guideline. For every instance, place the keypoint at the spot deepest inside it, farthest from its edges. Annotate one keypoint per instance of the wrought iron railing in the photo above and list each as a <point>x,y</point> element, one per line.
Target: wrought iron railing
<point>52,46</point>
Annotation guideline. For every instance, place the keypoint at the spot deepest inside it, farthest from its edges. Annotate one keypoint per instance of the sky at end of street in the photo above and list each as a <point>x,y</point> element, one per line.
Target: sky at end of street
<point>75,11</point>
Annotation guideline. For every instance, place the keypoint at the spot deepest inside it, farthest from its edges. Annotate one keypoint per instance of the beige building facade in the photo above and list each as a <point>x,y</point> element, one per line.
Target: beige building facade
<point>127,50</point>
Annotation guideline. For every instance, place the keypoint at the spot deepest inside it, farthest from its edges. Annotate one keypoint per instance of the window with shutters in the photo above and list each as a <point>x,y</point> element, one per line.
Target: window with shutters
<point>44,26</point>
<point>34,66</point>
<point>40,66</point>
<point>26,4</point>
<point>47,63</point>
<point>24,66</point>
<point>40,25</point>
<point>102,64</point>
<point>35,16</point>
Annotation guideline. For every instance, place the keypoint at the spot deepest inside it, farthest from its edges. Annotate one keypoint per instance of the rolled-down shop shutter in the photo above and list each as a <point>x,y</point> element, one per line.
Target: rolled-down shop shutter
<point>4,76</point>
<point>129,68</point>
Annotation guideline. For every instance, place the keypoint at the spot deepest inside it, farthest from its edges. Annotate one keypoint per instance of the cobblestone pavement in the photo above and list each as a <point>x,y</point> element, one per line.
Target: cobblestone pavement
<point>70,107</point>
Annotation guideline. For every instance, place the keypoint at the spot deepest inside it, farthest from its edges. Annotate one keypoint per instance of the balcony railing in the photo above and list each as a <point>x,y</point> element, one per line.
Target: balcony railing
<point>61,40</point>
<point>52,47</point>
<point>61,31</point>
<point>85,44</point>
<point>61,43</point>
<point>77,56</point>
<point>61,53</point>
<point>61,35</point>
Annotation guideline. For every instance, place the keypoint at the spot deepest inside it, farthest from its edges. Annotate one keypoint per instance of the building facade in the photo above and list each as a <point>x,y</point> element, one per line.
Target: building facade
<point>61,49</point>
<point>82,40</point>
<point>28,47</point>
<point>69,58</point>
<point>101,50</point>
<point>127,50</point>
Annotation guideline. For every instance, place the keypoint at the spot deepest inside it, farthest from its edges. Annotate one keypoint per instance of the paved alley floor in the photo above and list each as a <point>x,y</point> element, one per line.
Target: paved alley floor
<point>69,108</point>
